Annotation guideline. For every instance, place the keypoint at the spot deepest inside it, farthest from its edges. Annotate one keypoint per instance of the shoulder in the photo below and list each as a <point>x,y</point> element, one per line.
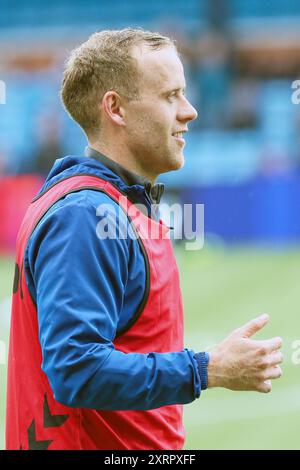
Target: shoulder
<point>81,209</point>
<point>89,217</point>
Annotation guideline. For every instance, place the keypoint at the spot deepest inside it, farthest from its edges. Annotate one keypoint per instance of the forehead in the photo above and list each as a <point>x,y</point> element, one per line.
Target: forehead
<point>160,69</point>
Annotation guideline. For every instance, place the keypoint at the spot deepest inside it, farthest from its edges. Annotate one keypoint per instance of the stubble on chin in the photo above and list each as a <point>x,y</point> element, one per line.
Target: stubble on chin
<point>175,162</point>
<point>179,161</point>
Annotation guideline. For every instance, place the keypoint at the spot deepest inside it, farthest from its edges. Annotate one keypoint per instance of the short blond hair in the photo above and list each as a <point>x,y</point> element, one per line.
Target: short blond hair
<point>102,63</point>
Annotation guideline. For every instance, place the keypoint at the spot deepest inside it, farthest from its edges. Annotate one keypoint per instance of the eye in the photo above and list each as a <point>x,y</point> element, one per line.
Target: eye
<point>172,95</point>
<point>176,94</point>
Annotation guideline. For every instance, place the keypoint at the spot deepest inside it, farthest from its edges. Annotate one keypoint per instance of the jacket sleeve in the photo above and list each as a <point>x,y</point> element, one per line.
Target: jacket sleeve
<point>79,282</point>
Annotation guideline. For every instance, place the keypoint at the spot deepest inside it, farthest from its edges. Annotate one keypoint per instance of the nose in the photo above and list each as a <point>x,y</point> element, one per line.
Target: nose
<point>187,112</point>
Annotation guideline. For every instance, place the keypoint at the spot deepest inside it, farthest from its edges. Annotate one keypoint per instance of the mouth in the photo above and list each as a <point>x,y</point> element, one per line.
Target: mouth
<point>178,136</point>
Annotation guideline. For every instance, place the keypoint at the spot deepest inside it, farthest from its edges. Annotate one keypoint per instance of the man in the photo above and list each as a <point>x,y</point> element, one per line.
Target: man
<point>96,352</point>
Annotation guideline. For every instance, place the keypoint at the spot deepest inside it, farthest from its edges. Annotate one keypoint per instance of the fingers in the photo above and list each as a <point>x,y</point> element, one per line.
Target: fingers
<point>266,361</point>
<point>270,345</point>
<point>269,365</point>
<point>265,387</point>
<point>272,373</point>
<point>275,359</point>
<point>252,327</point>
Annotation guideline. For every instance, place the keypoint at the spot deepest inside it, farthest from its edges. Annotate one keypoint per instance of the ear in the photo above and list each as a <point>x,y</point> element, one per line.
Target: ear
<point>112,106</point>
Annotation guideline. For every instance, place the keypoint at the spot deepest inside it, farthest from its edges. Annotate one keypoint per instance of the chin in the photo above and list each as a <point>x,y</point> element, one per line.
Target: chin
<point>179,163</point>
<point>173,166</point>
<point>173,163</point>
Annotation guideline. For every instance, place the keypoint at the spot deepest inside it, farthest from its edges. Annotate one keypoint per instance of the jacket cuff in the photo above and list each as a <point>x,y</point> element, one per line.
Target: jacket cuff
<point>202,359</point>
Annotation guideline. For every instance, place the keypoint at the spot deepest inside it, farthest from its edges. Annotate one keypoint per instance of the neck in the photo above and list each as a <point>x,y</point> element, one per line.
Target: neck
<point>123,158</point>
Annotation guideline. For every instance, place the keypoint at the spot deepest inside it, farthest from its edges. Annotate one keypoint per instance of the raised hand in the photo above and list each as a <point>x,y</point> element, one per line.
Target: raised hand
<point>242,363</point>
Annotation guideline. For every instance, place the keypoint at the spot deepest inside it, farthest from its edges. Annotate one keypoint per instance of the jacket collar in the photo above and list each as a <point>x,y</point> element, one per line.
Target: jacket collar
<point>154,191</point>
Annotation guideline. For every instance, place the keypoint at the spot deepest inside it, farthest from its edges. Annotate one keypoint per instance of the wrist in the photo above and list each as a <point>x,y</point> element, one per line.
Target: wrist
<point>202,359</point>
<point>212,375</point>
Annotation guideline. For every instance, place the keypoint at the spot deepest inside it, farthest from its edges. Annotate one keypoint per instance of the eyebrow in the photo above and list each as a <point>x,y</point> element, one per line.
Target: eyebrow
<point>171,90</point>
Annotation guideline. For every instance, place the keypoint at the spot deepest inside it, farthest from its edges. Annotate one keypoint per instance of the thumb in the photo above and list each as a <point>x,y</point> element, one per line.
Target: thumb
<point>252,327</point>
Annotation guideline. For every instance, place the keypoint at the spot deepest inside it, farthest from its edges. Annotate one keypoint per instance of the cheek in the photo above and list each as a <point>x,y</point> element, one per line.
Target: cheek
<point>152,123</point>
<point>161,126</point>
<point>151,130</point>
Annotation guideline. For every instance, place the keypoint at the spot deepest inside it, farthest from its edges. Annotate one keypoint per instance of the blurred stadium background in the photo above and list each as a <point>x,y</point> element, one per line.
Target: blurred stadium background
<point>242,162</point>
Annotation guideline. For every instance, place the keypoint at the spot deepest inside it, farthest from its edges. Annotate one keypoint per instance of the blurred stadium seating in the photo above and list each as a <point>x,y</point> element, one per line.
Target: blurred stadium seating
<point>32,13</point>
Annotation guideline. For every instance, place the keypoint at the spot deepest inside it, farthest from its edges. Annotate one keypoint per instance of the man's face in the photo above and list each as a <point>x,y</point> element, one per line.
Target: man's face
<point>161,112</point>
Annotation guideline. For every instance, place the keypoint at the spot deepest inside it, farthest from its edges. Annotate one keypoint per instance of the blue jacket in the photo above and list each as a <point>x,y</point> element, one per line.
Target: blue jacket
<point>86,291</point>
